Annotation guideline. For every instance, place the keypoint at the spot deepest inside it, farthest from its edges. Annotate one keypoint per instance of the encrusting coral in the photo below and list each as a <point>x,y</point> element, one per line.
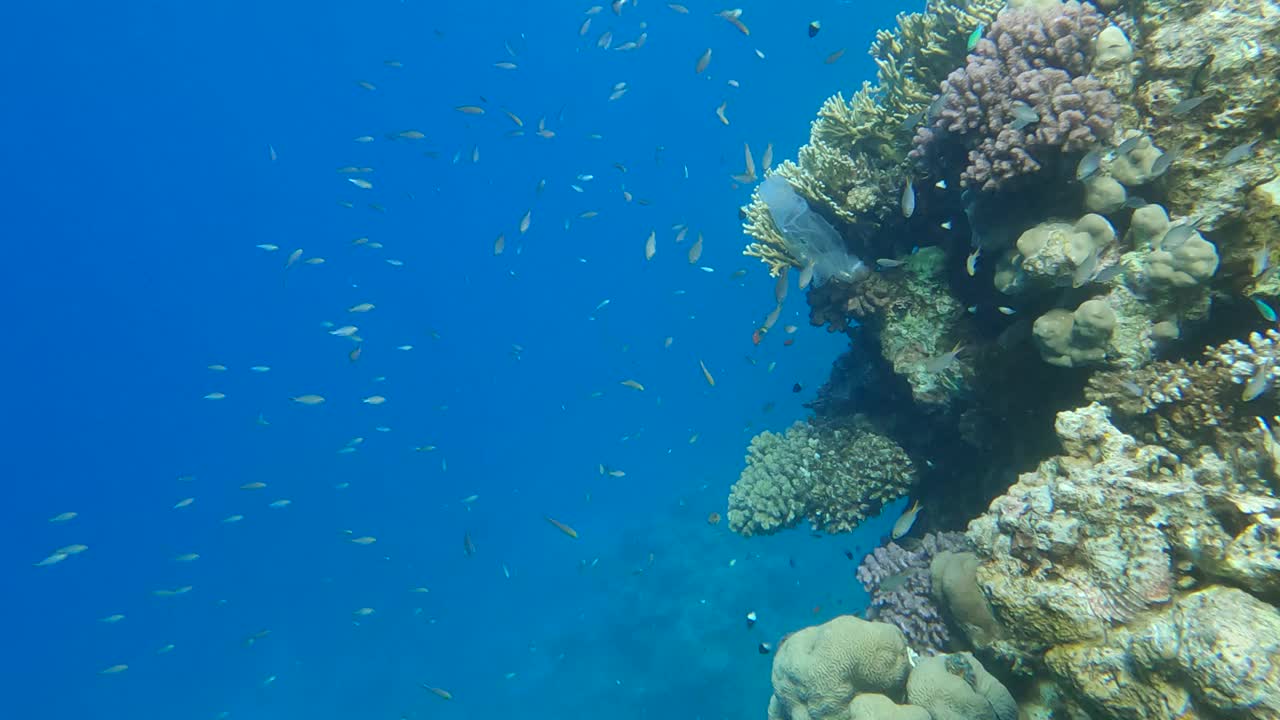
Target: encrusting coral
<point>833,474</point>
<point>1093,550</point>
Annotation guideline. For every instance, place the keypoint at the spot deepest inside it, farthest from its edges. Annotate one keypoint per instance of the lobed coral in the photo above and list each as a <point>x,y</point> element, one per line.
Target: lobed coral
<point>834,474</point>
<point>852,669</point>
<point>1024,92</point>
<point>901,588</point>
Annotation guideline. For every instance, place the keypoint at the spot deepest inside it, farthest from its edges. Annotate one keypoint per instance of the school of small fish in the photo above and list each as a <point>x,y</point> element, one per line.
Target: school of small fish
<point>354,324</point>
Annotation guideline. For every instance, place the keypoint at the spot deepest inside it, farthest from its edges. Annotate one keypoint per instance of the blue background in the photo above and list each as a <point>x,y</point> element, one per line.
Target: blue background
<point>138,180</point>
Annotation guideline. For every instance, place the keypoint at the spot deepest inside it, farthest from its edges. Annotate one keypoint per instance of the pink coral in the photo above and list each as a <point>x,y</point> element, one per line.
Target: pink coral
<point>1032,61</point>
<point>900,586</point>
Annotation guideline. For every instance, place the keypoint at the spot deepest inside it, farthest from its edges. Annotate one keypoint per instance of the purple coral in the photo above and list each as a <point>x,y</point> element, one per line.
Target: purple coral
<point>901,590</point>
<point>1031,61</point>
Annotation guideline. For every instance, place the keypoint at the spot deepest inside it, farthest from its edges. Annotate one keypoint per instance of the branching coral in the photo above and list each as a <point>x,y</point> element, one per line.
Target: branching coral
<point>901,587</point>
<point>854,165</point>
<point>1024,92</point>
<point>835,474</point>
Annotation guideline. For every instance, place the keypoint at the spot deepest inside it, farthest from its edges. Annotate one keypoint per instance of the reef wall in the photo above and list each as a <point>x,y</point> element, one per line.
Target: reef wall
<point>1063,318</point>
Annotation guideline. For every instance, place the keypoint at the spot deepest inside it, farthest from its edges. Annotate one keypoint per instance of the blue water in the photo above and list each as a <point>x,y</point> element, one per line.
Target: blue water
<point>137,144</point>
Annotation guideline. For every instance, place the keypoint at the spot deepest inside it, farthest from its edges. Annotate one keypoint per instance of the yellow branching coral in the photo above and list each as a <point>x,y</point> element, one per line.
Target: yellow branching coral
<point>772,247</point>
<point>855,161</point>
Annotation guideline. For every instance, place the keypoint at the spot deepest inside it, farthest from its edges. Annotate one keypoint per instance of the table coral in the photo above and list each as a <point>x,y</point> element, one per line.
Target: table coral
<point>835,474</point>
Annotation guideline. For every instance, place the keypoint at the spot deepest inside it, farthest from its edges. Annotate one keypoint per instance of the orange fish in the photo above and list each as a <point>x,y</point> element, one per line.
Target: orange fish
<point>562,527</point>
<point>817,609</point>
<point>713,518</point>
<point>789,342</point>
<point>757,336</point>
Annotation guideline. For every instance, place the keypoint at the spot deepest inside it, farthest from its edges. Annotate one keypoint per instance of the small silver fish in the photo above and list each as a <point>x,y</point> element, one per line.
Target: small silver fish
<point>1089,164</point>
<point>908,200</point>
<point>942,362</point>
<point>904,523</point>
<point>1165,161</point>
<point>1085,271</point>
<point>1023,116</point>
<point>1259,383</point>
<point>1238,153</point>
<point>1177,236</point>
<point>1129,145</point>
<point>1189,104</point>
<point>887,263</point>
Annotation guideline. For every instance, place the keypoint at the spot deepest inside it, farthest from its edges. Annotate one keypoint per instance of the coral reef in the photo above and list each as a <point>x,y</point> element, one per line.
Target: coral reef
<point>852,669</point>
<point>1072,339</point>
<point>833,474</point>
<point>1025,92</point>
<point>1092,551</point>
<point>901,587</point>
<point>957,687</point>
<point>917,334</point>
<point>852,168</point>
<point>818,670</point>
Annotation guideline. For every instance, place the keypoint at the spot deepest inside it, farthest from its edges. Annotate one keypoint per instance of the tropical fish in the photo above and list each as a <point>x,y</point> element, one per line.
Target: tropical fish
<point>1023,116</point>
<point>703,61</point>
<point>1264,309</point>
<point>468,546</point>
<point>695,250</point>
<point>438,692</point>
<point>943,361</point>
<point>974,37</point>
<point>562,527</point>
<point>1089,164</point>
<point>707,374</point>
<point>633,385</point>
<point>64,517</point>
<point>904,523</point>
<point>308,399</point>
<point>1258,383</point>
<point>651,246</point>
<point>1186,106</point>
<point>971,262</point>
<point>1238,153</point>
<point>908,200</point>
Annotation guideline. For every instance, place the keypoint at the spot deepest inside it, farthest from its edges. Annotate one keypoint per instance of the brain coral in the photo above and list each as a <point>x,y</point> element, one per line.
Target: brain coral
<point>1024,91</point>
<point>957,687</point>
<point>819,670</point>
<point>834,474</point>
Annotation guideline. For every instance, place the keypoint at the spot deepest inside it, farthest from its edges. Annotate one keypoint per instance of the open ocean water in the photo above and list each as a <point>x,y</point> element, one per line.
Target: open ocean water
<point>163,163</point>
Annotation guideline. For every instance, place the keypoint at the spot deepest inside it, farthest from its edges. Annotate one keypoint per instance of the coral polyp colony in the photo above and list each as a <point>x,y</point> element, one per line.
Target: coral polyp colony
<point>1064,340</point>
